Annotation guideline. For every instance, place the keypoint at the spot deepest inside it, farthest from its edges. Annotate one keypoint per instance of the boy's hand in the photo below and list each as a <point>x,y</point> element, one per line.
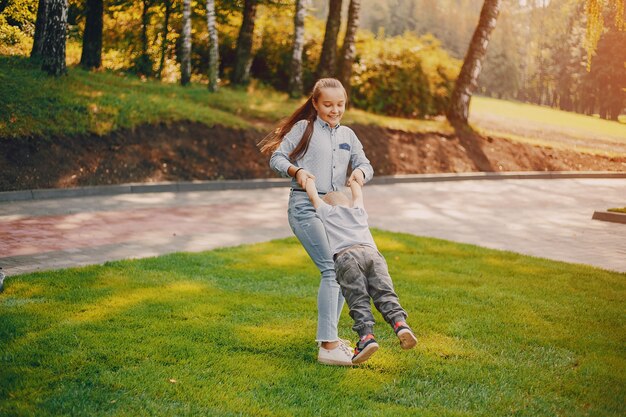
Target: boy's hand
<point>356,176</point>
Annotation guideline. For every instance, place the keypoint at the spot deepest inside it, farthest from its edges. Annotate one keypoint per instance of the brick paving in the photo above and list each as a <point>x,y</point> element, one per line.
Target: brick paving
<point>549,218</point>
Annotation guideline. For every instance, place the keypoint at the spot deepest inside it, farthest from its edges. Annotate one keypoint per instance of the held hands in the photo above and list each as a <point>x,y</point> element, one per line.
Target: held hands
<point>302,176</point>
<point>356,176</point>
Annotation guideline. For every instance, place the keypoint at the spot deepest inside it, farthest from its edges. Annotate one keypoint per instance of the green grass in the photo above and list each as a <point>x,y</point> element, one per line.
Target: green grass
<point>86,102</point>
<point>548,127</point>
<point>230,332</point>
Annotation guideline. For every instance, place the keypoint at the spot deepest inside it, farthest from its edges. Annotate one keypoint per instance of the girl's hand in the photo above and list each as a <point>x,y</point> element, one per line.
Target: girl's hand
<point>357,176</point>
<point>302,176</point>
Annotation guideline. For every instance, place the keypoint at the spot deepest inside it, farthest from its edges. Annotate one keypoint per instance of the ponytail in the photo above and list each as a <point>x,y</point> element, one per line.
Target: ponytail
<point>305,112</point>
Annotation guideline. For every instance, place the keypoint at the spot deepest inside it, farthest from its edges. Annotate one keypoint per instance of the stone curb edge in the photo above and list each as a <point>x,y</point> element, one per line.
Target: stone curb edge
<point>103,190</point>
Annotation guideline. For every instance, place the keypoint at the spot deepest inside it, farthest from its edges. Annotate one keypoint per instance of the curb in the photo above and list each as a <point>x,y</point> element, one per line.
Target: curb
<point>218,185</point>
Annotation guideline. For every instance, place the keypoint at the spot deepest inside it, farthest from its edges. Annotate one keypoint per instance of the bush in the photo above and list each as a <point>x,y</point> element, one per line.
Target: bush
<point>403,76</point>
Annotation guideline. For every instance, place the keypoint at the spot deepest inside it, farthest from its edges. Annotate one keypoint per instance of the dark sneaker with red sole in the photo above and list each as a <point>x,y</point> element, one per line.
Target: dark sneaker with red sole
<point>405,334</point>
<point>364,349</point>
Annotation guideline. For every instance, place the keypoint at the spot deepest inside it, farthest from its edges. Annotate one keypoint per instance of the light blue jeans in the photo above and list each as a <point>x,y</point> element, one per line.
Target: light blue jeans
<point>310,231</point>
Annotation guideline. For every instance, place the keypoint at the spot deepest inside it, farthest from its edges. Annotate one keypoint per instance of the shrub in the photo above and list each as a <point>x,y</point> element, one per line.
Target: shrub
<point>403,76</point>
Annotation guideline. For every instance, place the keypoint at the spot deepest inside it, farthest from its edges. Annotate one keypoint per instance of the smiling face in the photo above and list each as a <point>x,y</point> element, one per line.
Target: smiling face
<point>330,104</point>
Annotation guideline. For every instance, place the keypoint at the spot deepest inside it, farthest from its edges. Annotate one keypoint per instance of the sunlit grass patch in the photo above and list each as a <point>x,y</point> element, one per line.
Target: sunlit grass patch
<point>231,332</point>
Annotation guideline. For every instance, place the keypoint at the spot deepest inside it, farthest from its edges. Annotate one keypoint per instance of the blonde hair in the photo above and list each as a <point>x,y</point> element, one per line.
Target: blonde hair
<point>337,198</point>
<point>305,112</point>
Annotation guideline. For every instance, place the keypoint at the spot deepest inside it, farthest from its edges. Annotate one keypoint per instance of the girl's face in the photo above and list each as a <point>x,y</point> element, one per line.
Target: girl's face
<point>330,105</point>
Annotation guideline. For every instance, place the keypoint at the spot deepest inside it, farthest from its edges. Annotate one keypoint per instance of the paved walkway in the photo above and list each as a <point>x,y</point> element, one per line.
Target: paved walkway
<point>547,218</point>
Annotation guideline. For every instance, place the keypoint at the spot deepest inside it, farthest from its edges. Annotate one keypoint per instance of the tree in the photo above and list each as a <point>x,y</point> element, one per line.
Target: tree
<point>458,110</point>
<point>91,56</point>
<point>143,63</point>
<point>185,61</point>
<point>595,23</point>
<point>348,51</point>
<point>295,78</point>
<point>53,51</point>
<point>166,30</point>
<point>328,57</point>
<point>213,46</point>
<point>243,54</point>
<point>40,29</point>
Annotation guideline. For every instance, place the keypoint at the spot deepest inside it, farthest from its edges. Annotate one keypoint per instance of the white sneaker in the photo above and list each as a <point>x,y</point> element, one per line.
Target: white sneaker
<point>341,355</point>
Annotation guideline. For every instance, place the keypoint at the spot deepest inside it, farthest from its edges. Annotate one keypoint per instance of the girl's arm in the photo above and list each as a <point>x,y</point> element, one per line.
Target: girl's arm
<point>279,161</point>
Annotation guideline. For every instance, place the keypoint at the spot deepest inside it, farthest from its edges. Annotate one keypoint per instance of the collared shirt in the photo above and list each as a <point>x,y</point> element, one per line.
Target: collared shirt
<point>330,151</point>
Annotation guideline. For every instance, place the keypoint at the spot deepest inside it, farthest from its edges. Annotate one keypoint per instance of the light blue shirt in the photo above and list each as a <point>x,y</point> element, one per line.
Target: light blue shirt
<point>330,151</point>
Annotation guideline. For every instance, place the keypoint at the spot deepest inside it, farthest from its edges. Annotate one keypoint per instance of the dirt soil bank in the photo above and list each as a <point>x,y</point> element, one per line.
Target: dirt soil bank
<point>186,151</point>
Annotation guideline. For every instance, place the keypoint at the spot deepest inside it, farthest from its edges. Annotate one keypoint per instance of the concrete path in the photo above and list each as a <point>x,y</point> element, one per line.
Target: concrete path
<point>549,218</point>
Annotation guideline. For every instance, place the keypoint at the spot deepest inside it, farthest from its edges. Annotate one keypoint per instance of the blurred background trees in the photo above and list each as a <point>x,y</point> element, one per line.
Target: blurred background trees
<point>406,54</point>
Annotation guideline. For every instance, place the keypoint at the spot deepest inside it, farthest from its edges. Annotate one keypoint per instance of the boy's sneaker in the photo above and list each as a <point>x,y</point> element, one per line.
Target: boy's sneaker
<point>364,349</point>
<point>341,355</point>
<point>405,334</point>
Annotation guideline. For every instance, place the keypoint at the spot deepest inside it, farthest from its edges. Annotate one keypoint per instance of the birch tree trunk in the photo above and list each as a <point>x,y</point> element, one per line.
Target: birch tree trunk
<point>53,52</point>
<point>295,77</point>
<point>458,111</point>
<point>166,31</point>
<point>348,51</point>
<point>328,57</point>
<point>214,57</point>
<point>185,62</point>
<point>91,56</point>
<point>243,58</point>
<point>40,29</point>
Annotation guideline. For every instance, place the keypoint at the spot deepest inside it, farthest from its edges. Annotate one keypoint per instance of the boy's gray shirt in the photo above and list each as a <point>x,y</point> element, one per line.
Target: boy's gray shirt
<point>345,226</point>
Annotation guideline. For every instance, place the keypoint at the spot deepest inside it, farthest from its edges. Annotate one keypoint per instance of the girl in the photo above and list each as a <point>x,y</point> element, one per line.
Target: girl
<point>312,144</point>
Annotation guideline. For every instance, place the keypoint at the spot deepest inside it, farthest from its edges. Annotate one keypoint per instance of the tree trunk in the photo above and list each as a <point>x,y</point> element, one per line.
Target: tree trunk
<point>214,57</point>
<point>458,110</point>
<point>166,31</point>
<point>143,64</point>
<point>40,29</point>
<point>53,53</point>
<point>328,57</point>
<point>243,58</point>
<point>348,51</point>
<point>91,56</point>
<point>295,79</point>
<point>185,61</point>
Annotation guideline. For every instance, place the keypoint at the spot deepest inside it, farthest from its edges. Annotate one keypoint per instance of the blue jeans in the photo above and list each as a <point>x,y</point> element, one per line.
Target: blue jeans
<point>310,231</point>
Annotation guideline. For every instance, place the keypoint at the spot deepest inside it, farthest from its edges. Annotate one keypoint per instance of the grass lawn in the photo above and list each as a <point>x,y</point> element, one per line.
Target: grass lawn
<point>229,332</point>
<point>545,126</point>
<point>100,102</point>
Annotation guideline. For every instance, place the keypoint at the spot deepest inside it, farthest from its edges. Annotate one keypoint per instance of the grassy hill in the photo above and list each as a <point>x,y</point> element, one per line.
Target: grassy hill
<point>86,102</point>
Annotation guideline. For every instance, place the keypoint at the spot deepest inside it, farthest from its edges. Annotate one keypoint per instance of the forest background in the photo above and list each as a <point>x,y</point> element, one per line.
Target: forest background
<point>121,116</point>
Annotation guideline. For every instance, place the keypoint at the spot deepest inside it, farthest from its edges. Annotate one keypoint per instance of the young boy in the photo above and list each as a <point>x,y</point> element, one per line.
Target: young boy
<point>361,270</point>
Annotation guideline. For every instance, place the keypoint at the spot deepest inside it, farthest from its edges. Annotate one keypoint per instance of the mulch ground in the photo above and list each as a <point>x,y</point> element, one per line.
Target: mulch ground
<point>186,151</point>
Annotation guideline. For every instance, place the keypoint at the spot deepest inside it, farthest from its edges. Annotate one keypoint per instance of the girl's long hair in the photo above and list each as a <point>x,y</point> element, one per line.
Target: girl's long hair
<point>305,112</point>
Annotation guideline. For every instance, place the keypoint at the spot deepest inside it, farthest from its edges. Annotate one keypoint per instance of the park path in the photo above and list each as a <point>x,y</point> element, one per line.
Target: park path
<point>549,218</point>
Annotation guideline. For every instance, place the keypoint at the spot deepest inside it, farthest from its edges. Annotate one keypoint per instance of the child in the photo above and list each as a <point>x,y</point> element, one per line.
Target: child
<point>312,143</point>
<point>361,270</point>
